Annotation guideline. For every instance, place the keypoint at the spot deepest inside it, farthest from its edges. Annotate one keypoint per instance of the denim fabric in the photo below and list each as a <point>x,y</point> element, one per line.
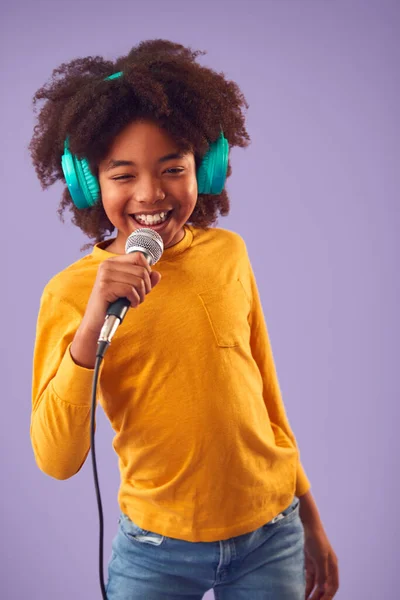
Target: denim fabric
<point>265,564</point>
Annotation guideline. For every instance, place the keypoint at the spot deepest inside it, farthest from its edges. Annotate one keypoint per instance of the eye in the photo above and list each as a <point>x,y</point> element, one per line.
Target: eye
<point>177,170</point>
<point>172,171</point>
<point>121,177</point>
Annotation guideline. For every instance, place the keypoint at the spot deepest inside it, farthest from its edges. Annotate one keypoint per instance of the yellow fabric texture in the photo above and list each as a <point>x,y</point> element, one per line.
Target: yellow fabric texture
<point>189,385</point>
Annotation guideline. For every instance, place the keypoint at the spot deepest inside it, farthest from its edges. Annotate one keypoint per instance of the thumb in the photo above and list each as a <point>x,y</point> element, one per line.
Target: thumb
<point>155,277</point>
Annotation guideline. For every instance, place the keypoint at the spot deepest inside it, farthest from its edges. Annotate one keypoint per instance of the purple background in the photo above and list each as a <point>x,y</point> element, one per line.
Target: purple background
<point>315,197</point>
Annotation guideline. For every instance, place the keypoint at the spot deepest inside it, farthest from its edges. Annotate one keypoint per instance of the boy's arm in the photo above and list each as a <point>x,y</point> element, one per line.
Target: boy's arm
<point>320,559</point>
<point>262,353</point>
<point>61,393</point>
<point>309,513</point>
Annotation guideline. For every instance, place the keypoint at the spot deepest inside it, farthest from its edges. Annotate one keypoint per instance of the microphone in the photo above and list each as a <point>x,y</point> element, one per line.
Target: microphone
<point>150,244</point>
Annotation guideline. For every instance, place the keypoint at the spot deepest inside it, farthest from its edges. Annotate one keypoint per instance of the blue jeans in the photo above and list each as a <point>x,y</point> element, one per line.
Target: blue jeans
<point>265,564</point>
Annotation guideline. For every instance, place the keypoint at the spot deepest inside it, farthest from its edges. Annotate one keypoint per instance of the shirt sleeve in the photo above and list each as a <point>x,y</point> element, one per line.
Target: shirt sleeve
<point>262,354</point>
<point>61,392</point>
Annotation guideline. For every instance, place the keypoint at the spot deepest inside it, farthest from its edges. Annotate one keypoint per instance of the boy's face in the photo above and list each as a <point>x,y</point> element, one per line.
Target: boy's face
<point>144,184</point>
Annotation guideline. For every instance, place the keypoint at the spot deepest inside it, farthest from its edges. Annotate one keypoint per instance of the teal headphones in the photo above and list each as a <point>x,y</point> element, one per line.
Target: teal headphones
<point>84,186</point>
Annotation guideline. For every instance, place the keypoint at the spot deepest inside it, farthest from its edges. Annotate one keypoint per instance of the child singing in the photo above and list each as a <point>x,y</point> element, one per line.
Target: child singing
<point>212,493</point>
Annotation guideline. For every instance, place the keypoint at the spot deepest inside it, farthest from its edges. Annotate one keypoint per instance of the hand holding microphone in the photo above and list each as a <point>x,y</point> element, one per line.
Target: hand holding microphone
<point>121,282</point>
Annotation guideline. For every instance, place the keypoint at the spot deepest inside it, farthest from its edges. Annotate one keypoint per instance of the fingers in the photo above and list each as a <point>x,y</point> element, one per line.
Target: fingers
<point>322,582</point>
<point>125,266</point>
<point>321,574</point>
<point>135,258</point>
<point>317,594</point>
<point>135,263</point>
<point>134,280</point>
<point>332,584</point>
<point>120,284</point>
<point>135,294</point>
<point>137,278</point>
<point>310,576</point>
<point>155,277</point>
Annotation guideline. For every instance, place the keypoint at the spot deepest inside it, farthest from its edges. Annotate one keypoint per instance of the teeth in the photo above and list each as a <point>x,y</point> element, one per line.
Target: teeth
<point>152,219</point>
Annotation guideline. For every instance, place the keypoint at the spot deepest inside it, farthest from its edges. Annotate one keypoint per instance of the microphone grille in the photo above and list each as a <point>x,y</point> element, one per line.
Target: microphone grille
<point>146,240</point>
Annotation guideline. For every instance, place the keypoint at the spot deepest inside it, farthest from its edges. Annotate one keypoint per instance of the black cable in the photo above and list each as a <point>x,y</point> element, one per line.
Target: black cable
<point>99,357</point>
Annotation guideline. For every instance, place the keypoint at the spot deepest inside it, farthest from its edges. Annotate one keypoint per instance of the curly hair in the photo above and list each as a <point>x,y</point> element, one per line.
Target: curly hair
<point>162,82</point>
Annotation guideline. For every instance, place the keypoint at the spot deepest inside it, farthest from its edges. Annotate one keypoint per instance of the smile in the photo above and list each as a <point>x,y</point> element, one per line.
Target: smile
<point>154,219</point>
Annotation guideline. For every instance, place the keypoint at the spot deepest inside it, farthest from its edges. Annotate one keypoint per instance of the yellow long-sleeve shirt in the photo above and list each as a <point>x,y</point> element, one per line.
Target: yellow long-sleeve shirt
<point>190,388</point>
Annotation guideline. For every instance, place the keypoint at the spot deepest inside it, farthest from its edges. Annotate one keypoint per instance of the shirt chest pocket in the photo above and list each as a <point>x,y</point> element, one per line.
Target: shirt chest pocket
<point>227,308</point>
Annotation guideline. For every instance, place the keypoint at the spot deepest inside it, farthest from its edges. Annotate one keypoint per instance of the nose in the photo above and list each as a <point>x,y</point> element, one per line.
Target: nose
<point>148,190</point>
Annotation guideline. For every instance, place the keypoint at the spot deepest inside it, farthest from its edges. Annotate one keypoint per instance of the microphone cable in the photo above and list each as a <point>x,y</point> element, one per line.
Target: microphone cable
<point>99,357</point>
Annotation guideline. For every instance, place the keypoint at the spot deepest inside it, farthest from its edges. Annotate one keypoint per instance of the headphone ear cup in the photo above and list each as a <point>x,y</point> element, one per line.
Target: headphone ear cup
<point>88,182</point>
<point>211,174</point>
<point>82,184</point>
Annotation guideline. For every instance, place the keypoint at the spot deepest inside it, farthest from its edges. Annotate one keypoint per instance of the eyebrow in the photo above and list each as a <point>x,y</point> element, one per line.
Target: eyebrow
<point>113,163</point>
